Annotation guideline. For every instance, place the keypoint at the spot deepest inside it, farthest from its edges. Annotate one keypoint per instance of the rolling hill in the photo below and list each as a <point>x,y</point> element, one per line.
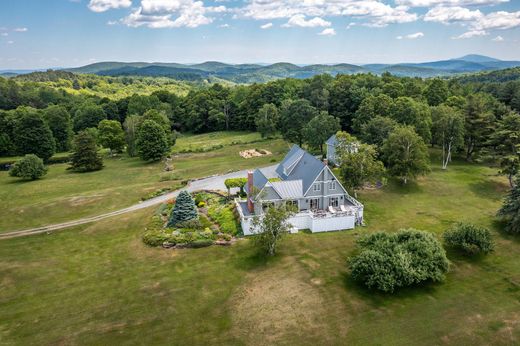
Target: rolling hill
<point>256,73</point>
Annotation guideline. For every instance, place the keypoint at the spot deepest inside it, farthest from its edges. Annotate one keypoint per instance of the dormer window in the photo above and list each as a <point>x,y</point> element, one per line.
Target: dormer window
<point>317,187</point>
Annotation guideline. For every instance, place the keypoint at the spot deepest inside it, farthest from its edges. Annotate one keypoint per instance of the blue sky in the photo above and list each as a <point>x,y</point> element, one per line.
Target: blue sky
<point>65,33</point>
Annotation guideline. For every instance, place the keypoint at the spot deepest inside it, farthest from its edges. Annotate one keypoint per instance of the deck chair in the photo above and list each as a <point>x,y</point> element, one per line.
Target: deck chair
<point>331,209</point>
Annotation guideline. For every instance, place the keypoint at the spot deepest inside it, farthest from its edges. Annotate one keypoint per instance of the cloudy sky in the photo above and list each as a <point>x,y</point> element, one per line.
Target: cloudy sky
<point>64,33</point>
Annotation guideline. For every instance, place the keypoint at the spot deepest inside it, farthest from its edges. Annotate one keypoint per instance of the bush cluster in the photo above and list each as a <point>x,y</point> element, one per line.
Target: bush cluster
<point>224,216</point>
<point>469,238</point>
<point>30,167</point>
<point>391,261</point>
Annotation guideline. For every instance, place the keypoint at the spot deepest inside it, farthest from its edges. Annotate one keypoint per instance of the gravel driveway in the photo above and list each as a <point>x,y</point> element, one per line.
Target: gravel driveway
<point>210,183</point>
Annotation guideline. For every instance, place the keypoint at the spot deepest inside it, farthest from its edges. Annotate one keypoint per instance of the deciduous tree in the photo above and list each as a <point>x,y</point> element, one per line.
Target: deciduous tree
<point>405,154</point>
<point>111,135</point>
<point>151,142</point>
<point>270,228</point>
<point>319,129</point>
<point>447,131</point>
<point>267,120</point>
<point>32,135</point>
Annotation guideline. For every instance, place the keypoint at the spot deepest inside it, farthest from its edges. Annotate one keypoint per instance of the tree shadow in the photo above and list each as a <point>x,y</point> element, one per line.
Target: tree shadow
<point>376,298</point>
<point>500,226</point>
<point>254,258</point>
<point>489,189</point>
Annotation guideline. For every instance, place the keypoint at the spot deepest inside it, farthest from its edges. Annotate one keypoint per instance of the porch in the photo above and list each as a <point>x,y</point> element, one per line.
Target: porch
<point>332,219</point>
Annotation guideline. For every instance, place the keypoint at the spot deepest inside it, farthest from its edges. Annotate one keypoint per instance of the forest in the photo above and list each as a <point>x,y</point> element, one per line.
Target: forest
<point>476,116</point>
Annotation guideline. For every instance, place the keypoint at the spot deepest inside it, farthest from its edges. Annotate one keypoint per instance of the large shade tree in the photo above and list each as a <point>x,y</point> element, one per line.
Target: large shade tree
<point>447,131</point>
<point>405,154</point>
<point>319,129</point>
<point>111,135</point>
<point>32,135</point>
<point>267,120</point>
<point>60,123</point>
<point>294,117</point>
<point>151,142</point>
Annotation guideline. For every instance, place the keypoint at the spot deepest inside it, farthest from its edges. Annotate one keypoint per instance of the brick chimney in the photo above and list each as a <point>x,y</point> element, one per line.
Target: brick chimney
<point>250,205</point>
<point>326,162</point>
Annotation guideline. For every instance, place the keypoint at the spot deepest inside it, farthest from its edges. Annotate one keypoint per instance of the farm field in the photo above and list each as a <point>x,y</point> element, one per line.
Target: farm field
<point>99,284</point>
<point>63,195</point>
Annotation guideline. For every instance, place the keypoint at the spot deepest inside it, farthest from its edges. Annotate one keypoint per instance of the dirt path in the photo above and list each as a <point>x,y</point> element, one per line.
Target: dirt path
<point>209,183</point>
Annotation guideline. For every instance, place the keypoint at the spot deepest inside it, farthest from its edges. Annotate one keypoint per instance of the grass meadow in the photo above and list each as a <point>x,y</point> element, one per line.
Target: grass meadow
<point>98,284</point>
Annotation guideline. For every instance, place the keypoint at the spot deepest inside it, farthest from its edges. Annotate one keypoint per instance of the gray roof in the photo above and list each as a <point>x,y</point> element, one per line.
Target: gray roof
<point>298,164</point>
<point>289,188</point>
<point>259,180</point>
<point>332,140</point>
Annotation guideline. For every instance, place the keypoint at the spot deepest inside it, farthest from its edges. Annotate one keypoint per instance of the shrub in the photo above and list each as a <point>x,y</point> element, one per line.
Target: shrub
<point>469,238</point>
<point>200,243</point>
<point>155,237</point>
<point>225,218</point>
<point>390,261</point>
<point>29,167</point>
<point>201,204</point>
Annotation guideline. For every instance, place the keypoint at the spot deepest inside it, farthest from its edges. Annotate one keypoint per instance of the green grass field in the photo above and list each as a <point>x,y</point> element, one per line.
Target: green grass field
<point>207,141</point>
<point>64,195</point>
<point>99,284</point>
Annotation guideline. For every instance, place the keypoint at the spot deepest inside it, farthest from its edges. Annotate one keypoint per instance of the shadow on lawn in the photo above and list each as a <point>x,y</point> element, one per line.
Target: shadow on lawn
<point>489,189</point>
<point>377,298</point>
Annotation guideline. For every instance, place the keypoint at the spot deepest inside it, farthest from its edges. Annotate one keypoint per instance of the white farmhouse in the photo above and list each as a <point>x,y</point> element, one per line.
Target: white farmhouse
<point>309,185</point>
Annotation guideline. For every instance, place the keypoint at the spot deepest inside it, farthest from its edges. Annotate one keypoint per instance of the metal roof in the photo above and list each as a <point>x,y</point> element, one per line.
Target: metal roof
<point>289,188</point>
<point>332,140</point>
<point>298,164</point>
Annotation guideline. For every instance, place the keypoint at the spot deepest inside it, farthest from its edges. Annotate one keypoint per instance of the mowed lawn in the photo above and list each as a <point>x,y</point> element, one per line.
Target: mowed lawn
<point>64,195</point>
<point>98,284</point>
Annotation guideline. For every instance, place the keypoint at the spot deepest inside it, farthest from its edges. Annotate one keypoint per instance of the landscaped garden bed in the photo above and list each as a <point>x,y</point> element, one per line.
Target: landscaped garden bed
<point>188,222</point>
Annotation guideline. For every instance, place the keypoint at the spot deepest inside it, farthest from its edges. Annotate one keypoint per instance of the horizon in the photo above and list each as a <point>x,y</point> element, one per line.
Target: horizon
<point>37,35</point>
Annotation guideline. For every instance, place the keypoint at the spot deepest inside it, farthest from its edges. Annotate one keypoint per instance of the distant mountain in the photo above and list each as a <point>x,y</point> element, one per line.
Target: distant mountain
<point>477,58</point>
<point>257,73</point>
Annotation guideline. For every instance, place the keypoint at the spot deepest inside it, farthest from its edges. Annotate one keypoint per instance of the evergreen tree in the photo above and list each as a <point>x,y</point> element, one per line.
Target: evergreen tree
<point>151,142</point>
<point>184,210</point>
<point>32,135</point>
<point>510,211</point>
<point>85,157</point>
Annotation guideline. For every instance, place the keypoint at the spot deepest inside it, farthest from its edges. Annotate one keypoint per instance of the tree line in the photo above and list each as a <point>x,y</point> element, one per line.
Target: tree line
<point>456,116</point>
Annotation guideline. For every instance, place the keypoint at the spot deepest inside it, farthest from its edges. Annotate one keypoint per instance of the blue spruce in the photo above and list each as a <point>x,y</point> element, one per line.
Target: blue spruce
<point>184,210</point>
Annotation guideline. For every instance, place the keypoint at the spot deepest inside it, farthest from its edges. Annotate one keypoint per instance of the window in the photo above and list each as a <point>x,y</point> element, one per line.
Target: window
<point>334,202</point>
<point>292,205</point>
<point>315,203</point>
<point>317,187</point>
<point>267,205</point>
<point>332,185</point>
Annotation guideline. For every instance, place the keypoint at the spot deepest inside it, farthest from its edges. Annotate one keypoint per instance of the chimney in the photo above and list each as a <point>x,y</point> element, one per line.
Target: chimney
<point>326,162</point>
<point>250,206</point>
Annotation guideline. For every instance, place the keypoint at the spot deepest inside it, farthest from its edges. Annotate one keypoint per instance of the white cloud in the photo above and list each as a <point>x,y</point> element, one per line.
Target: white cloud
<point>447,15</point>
<point>328,32</point>
<point>375,12</point>
<point>266,26</point>
<point>10,42</point>
<point>299,20</point>
<point>112,22</point>
<point>105,5</point>
<point>224,25</point>
<point>498,39</point>
<point>411,36</point>
<point>470,34</point>
<point>4,34</point>
<point>430,3</point>
<point>20,29</point>
<point>500,20</point>
<point>157,14</point>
